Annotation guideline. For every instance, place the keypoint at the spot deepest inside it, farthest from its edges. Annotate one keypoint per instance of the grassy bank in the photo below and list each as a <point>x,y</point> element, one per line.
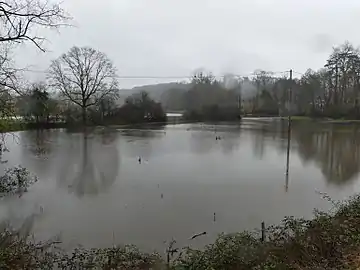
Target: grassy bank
<point>328,241</point>
<point>12,126</point>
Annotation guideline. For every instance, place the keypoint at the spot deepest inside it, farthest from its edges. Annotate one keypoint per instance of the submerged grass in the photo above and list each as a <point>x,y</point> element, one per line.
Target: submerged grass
<point>328,241</point>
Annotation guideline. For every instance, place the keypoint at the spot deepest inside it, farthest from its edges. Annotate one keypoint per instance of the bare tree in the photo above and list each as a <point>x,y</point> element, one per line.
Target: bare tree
<point>8,73</point>
<point>200,77</point>
<point>84,76</point>
<point>19,19</point>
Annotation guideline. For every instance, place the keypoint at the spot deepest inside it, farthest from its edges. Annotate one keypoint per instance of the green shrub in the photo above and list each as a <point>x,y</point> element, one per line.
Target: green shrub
<point>16,180</point>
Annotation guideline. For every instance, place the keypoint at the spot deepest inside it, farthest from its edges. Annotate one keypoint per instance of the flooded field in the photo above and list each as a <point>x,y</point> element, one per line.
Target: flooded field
<point>148,186</point>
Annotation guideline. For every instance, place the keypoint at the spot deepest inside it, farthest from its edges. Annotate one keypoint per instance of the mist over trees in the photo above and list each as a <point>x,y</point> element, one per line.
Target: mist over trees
<point>208,99</point>
<point>332,91</point>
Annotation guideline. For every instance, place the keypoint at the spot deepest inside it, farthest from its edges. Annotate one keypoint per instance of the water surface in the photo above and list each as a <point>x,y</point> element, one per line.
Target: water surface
<point>147,186</point>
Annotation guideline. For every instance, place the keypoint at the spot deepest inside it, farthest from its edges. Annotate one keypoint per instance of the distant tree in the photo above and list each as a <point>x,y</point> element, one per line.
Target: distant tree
<point>85,77</point>
<point>211,100</point>
<point>39,103</point>
<point>106,106</point>
<point>207,91</point>
<point>202,78</point>
<point>102,110</point>
<point>343,66</point>
<point>7,110</point>
<point>139,108</point>
<point>334,90</point>
<point>264,82</point>
<point>310,92</point>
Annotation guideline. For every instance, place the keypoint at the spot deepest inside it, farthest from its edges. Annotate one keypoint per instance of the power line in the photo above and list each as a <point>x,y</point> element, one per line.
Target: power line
<point>175,76</point>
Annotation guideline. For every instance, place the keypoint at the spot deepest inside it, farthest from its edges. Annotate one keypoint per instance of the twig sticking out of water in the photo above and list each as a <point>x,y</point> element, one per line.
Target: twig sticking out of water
<point>197,235</point>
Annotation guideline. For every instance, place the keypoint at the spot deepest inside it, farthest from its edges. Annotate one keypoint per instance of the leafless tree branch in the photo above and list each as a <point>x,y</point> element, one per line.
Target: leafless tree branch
<point>18,19</point>
<point>84,76</point>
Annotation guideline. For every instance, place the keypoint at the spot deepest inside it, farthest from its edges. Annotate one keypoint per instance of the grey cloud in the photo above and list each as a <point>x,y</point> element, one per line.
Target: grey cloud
<point>166,38</point>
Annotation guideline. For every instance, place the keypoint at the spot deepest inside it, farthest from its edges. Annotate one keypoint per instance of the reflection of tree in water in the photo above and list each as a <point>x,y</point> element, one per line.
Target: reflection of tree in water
<point>334,149</point>
<point>259,143</point>
<point>231,141</point>
<point>90,163</point>
<point>39,142</point>
<point>39,147</point>
<point>262,132</point>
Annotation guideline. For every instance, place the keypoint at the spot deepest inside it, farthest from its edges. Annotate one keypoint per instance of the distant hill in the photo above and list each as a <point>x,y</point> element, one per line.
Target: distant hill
<point>156,91</point>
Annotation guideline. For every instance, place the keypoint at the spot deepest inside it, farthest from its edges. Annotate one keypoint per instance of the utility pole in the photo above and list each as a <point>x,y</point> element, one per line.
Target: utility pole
<point>336,84</point>
<point>289,127</point>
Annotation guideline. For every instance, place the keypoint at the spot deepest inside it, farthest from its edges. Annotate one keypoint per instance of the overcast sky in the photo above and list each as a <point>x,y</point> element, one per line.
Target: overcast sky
<point>175,37</point>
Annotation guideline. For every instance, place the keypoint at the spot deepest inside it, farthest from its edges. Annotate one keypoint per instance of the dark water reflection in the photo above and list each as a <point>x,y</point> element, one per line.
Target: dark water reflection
<point>94,192</point>
<point>89,163</point>
<point>334,149</point>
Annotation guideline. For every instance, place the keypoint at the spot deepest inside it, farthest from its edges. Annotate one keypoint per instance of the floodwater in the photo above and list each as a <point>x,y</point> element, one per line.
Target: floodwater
<point>149,186</point>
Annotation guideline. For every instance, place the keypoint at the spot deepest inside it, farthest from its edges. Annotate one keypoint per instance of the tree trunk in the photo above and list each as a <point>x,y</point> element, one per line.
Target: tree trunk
<point>84,115</point>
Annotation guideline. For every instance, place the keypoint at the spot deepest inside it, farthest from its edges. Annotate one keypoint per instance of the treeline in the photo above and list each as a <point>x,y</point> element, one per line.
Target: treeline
<point>207,99</point>
<point>332,91</point>
<point>82,89</point>
<point>38,109</point>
